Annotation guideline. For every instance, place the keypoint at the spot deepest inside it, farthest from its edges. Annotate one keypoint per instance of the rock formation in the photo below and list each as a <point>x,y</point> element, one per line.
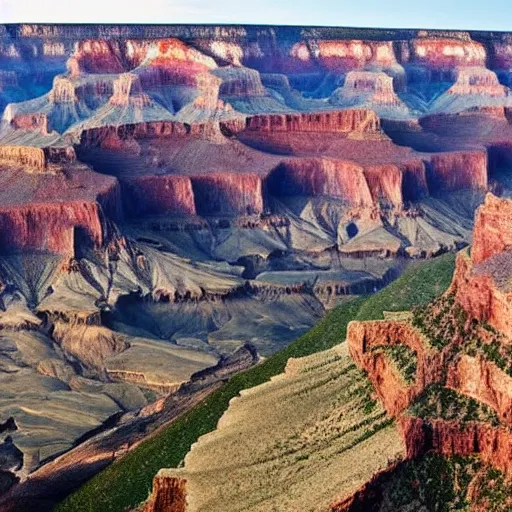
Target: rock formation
<point>444,372</point>
<point>169,192</point>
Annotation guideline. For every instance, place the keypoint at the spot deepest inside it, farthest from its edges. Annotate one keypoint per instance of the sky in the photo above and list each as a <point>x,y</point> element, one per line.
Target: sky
<point>455,14</point>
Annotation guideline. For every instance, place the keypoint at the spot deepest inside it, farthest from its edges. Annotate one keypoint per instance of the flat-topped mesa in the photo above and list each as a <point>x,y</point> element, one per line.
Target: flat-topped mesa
<point>237,81</point>
<point>159,195</point>
<point>435,53</point>
<point>321,177</point>
<point>478,81</point>
<point>457,170</point>
<point>34,158</point>
<point>369,86</point>
<point>228,194</point>
<point>128,92</point>
<point>94,137</point>
<point>344,121</point>
<point>63,91</point>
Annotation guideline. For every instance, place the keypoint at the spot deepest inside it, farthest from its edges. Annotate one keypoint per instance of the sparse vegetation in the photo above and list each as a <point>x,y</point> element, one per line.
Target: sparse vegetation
<point>438,484</point>
<point>439,402</point>
<point>441,322</point>
<point>128,482</point>
<point>403,358</point>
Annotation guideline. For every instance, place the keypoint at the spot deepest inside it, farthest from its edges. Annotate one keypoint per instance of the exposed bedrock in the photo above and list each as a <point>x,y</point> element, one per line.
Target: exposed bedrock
<point>361,86</point>
<point>384,184</point>
<point>321,176</point>
<point>227,194</point>
<point>128,92</point>
<point>51,226</point>
<point>396,394</point>
<point>36,158</point>
<point>449,438</point>
<point>457,170</point>
<point>105,134</point>
<point>339,56</point>
<point>238,81</point>
<point>97,56</point>
<point>483,380</point>
<point>58,226</point>
<point>31,122</point>
<point>165,51</point>
<point>493,229</point>
<point>89,344</point>
<point>159,194</point>
<point>477,292</point>
<point>344,121</point>
<point>436,53</point>
<point>477,80</point>
<point>169,494</point>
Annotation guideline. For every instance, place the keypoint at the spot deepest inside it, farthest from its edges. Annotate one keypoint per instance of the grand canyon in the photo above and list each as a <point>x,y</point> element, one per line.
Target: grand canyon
<point>187,211</point>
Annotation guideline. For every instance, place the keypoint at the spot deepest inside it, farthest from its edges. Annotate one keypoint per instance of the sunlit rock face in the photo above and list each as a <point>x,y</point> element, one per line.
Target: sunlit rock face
<point>208,175</point>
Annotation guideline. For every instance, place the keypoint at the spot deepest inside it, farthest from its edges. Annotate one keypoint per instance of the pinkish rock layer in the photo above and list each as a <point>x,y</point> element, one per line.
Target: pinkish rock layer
<point>227,194</point>
<point>344,121</point>
<point>50,227</point>
<point>157,195</point>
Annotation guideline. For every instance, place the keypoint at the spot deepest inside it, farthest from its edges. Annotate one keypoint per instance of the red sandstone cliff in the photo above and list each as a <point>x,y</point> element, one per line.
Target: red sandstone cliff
<point>169,495</point>
<point>227,194</point>
<point>457,171</point>
<point>345,121</point>
<point>493,229</point>
<point>395,393</point>
<point>321,177</point>
<point>51,227</point>
<point>157,195</point>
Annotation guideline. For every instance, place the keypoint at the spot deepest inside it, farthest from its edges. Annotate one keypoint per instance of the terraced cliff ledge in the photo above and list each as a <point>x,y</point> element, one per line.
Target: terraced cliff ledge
<point>445,371</point>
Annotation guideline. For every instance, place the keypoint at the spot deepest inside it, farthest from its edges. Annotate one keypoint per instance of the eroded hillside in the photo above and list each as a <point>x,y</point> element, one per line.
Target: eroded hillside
<point>179,201</point>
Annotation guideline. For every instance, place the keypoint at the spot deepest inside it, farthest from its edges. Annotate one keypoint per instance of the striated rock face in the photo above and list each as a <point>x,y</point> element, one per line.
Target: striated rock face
<point>480,282</point>
<point>341,56</point>
<point>97,56</point>
<point>493,444</point>
<point>169,494</point>
<point>462,357</point>
<point>477,81</point>
<point>128,92</point>
<point>368,86</point>
<point>157,195</point>
<point>226,194</point>
<point>346,121</point>
<point>23,155</point>
<point>484,381</point>
<point>393,391</point>
<point>321,177</point>
<point>457,171</point>
<point>439,53</point>
<point>238,81</point>
<point>51,227</point>
<point>493,229</point>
